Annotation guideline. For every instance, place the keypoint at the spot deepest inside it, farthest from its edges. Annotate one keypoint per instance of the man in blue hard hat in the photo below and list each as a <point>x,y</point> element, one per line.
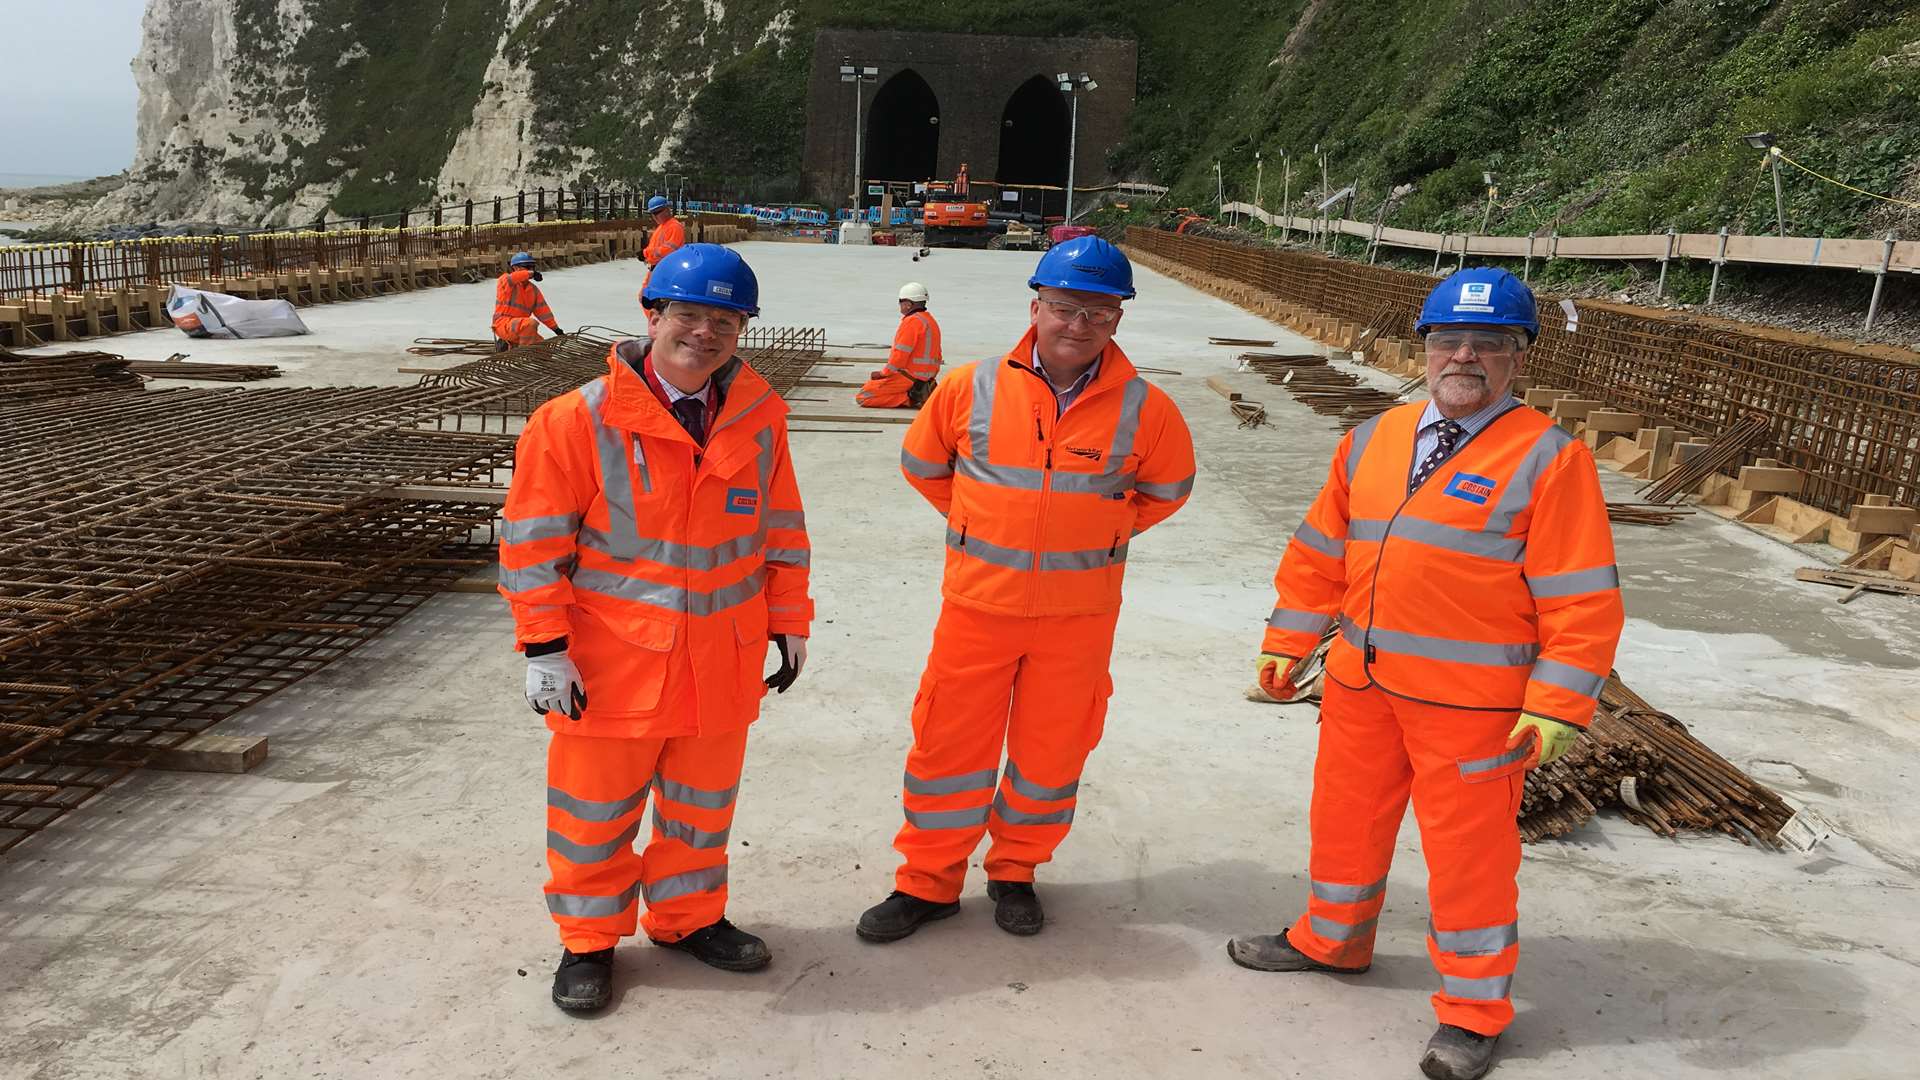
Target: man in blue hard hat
<point>1462,546</point>
<point>669,236</point>
<point>1046,463</point>
<point>652,542</point>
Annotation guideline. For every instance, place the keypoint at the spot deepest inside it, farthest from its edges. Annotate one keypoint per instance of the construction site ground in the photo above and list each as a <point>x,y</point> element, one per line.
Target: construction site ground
<point>367,902</point>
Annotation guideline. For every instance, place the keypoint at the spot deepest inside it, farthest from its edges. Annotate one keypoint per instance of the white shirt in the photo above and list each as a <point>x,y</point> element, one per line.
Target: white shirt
<point>1064,398</point>
<point>1426,440</point>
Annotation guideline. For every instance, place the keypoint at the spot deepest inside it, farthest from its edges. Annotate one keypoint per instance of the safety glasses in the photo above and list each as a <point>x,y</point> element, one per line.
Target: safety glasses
<point>1095,316</point>
<point>720,320</point>
<point>1482,342</point>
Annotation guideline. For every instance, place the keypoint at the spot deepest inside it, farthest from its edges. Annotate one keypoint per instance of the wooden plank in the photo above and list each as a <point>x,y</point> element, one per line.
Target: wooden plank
<point>1219,386</point>
<point>1872,581</point>
<point>207,752</point>
<point>1571,408</point>
<point>1611,421</point>
<point>1882,520</point>
<point>1783,481</point>
<point>1904,562</point>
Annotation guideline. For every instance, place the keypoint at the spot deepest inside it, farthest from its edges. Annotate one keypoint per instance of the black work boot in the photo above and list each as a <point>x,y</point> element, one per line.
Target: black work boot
<point>1015,907</point>
<point>901,914</point>
<point>584,981</point>
<point>725,946</point>
<point>1454,1053</point>
<point>1273,952</point>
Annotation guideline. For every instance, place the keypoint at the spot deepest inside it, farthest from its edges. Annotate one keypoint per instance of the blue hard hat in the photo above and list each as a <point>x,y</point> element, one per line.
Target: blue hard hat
<point>658,202</point>
<point>705,274</point>
<point>1481,296</point>
<point>520,258</point>
<point>1087,263</point>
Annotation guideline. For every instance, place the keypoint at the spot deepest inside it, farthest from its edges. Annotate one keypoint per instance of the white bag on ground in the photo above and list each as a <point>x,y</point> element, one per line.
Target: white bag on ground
<point>217,315</point>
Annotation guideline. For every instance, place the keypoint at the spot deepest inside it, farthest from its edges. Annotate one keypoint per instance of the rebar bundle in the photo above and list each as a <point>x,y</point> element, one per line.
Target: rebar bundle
<point>1724,452</point>
<point>42,378</point>
<point>1643,514</point>
<point>1321,387</point>
<point>190,369</point>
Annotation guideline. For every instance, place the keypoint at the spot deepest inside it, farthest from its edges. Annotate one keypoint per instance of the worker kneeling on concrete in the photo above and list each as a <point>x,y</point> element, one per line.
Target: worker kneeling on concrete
<point>668,237</point>
<point>651,544</point>
<point>1046,464</point>
<point>518,305</point>
<point>914,361</point>
<point>1461,546</point>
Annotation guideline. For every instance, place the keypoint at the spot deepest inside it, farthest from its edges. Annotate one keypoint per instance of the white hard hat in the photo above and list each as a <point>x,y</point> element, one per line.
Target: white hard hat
<point>914,291</point>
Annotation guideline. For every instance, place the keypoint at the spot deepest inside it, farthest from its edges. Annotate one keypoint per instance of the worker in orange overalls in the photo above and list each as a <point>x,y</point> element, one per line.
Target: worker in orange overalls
<point>518,305</point>
<point>914,361</point>
<point>961,186</point>
<point>652,542</point>
<point>1461,547</point>
<point>668,237</point>
<point>1046,463</point>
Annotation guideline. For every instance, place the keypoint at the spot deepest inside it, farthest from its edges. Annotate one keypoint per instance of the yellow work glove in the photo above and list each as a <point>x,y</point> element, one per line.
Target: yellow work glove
<point>1271,671</point>
<point>1555,737</point>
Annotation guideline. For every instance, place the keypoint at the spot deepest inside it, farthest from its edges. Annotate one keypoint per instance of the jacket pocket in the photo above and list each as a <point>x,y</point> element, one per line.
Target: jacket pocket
<point>625,660</point>
<point>750,633</point>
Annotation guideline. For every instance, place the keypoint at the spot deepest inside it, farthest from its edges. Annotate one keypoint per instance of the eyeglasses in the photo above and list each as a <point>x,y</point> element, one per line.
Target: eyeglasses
<point>722,321</point>
<point>1482,342</point>
<point>1095,316</point>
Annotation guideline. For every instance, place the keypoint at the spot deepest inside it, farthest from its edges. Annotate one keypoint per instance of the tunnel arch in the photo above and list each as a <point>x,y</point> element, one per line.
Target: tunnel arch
<point>1034,129</point>
<point>903,130</point>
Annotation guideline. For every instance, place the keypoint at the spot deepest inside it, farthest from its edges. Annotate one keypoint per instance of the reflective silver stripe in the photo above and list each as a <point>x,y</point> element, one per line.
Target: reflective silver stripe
<point>970,817</point>
<point>1486,941</point>
<point>1009,476</point>
<point>540,574</point>
<point>1307,622</point>
<point>679,556</point>
<point>693,796</point>
<point>527,530</point>
<point>616,485</point>
<point>1568,677</point>
<point>592,853</point>
<point>687,834</point>
<point>1177,490</point>
<point>591,907</point>
<point>1361,436</point>
<point>1093,483</point>
<point>1011,558</point>
<point>1495,988</point>
<point>1315,540</point>
<point>950,785</point>
<point>590,810</point>
<point>1519,493</point>
<point>1469,769</point>
<point>1091,559</point>
<point>1452,650</point>
<point>1020,817</point>
<point>1132,397</point>
<point>671,597</point>
<point>1334,930</point>
<point>640,465</point>
<point>1039,792</point>
<point>980,417</point>
<point>924,469</point>
<point>786,519</point>
<point>790,556</point>
<point>706,879</point>
<point>1420,530</point>
<point>1345,894</point>
<point>898,368</point>
<point>1575,583</point>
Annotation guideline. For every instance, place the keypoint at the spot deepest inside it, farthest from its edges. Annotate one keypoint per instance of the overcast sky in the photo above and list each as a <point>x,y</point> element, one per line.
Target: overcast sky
<point>68,70</point>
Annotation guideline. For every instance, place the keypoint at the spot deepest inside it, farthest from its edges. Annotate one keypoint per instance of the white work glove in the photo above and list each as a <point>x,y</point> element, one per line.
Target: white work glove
<point>553,685</point>
<point>793,657</point>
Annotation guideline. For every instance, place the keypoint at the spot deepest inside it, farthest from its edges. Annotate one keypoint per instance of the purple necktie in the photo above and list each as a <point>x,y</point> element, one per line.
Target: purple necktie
<point>1448,434</point>
<point>692,414</point>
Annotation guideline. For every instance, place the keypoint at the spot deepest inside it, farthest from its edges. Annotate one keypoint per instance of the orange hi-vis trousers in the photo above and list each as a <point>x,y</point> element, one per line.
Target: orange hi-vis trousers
<point>596,798</point>
<point>1036,687</point>
<point>1374,749</point>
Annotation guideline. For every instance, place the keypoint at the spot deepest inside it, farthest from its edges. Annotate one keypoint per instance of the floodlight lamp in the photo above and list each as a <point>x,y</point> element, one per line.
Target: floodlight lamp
<point>1062,77</point>
<point>1091,85</point>
<point>870,72</point>
<point>1759,140</point>
<point>1486,178</point>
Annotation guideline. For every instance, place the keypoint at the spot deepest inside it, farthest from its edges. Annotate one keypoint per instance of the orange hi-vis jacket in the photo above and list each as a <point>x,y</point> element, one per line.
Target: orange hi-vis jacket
<point>516,297</point>
<point>668,237</point>
<point>1492,586</point>
<point>1040,510</point>
<point>645,551</point>
<point>916,347</point>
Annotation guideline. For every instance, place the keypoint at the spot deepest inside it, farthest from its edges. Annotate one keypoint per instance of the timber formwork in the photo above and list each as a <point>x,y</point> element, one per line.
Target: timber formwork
<point>170,557</point>
<point>1848,418</point>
